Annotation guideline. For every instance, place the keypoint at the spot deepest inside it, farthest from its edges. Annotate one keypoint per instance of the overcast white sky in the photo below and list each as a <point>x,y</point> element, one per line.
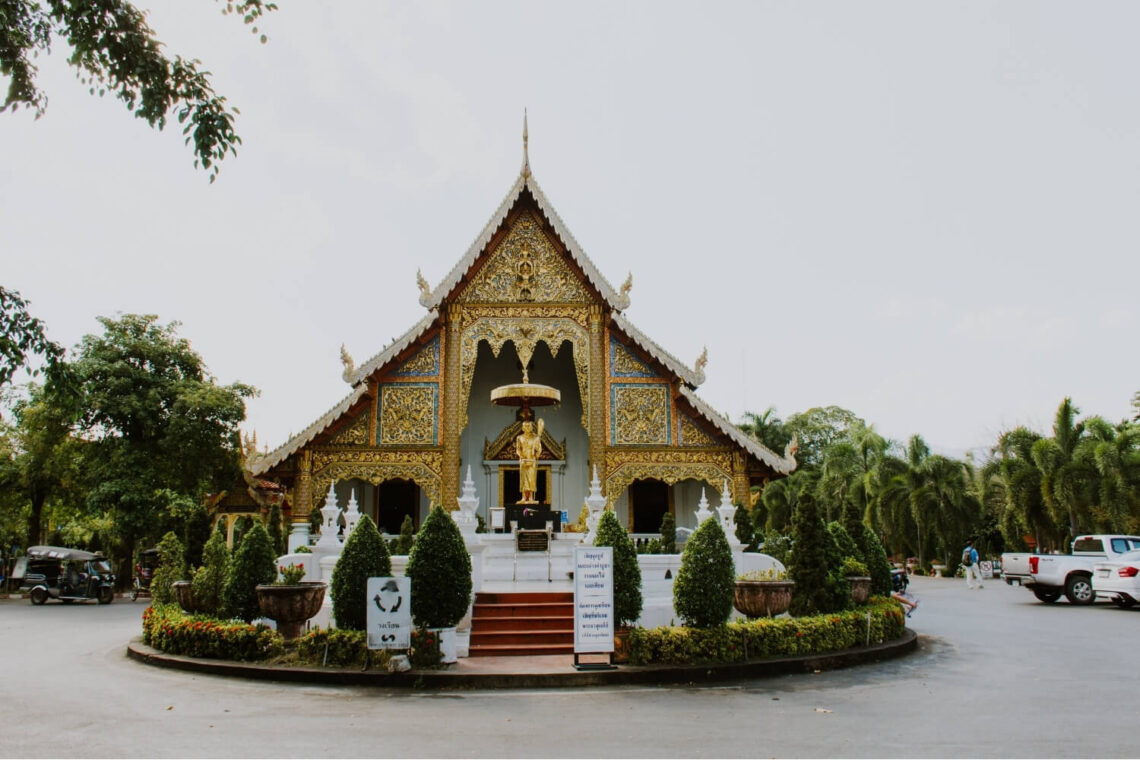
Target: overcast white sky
<point>925,213</point>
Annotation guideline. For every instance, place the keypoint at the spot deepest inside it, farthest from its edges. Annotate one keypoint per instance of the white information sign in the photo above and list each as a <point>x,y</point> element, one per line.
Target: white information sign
<point>389,617</point>
<point>593,599</point>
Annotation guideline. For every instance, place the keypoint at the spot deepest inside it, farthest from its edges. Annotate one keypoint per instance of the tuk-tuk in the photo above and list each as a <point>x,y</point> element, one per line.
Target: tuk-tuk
<point>144,572</point>
<point>68,575</point>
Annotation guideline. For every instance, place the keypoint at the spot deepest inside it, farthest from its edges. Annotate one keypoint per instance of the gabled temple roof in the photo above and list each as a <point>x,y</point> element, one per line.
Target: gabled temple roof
<point>394,349</point>
<point>616,300</point>
<point>643,341</point>
<point>781,464</point>
<point>262,464</point>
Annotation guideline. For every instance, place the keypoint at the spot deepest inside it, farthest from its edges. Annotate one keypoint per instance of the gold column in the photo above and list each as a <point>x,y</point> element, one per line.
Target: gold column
<point>302,490</point>
<point>740,487</point>
<point>449,490</point>
<point>597,431</point>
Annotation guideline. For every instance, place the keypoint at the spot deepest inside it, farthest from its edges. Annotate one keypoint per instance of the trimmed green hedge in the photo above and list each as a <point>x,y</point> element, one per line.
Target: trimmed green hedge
<point>347,648</point>
<point>739,641</point>
<point>169,629</point>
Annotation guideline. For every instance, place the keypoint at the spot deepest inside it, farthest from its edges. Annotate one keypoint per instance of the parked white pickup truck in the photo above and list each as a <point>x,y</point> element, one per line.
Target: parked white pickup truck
<point>1050,575</point>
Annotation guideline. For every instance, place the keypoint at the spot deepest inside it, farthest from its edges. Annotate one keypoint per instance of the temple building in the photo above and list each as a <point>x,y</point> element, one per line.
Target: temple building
<point>523,304</point>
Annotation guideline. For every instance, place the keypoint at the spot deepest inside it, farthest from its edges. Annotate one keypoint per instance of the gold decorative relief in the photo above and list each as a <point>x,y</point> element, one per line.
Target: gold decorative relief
<point>432,459</point>
<point>625,364</point>
<point>408,414</point>
<point>525,333</point>
<point>692,435</point>
<point>423,364</point>
<point>619,480</point>
<point>639,414</point>
<point>470,314</point>
<point>375,466</point>
<point>719,458</point>
<point>354,433</point>
<point>526,268</point>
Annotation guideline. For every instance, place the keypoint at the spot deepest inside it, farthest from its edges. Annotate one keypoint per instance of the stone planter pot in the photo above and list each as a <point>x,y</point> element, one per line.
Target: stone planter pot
<point>291,606</point>
<point>938,571</point>
<point>448,644</point>
<point>763,598</point>
<point>184,593</point>
<point>860,588</point>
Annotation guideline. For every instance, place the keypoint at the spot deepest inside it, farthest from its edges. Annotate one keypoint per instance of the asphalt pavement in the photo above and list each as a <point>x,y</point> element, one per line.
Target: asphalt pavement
<point>996,674</point>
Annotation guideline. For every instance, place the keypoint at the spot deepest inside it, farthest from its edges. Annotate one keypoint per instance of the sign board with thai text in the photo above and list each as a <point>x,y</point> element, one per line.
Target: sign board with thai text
<point>593,599</point>
<point>389,616</point>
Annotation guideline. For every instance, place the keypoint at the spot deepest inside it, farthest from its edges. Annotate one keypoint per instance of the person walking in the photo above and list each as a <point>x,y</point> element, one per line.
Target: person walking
<point>970,565</point>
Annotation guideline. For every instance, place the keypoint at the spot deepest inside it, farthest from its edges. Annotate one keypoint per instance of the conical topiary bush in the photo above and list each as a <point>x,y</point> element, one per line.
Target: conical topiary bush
<point>209,580</point>
<point>440,569</point>
<point>364,556</point>
<point>815,563</point>
<point>253,563</point>
<point>703,589</point>
<point>627,571</point>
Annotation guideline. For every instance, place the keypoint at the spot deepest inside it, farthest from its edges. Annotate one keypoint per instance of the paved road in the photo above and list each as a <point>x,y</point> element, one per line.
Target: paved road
<point>996,674</point>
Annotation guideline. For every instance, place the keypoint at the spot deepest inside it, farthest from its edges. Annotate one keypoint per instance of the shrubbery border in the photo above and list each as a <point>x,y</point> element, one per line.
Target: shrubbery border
<point>880,620</point>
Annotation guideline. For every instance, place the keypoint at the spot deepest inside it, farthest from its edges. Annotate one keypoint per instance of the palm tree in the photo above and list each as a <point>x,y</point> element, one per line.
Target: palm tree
<point>1025,508</point>
<point>1114,452</point>
<point>1065,483</point>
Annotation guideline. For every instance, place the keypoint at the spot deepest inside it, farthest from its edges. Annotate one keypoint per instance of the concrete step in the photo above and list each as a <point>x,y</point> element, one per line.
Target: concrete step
<point>523,638</point>
<point>556,609</point>
<point>522,650</point>
<point>524,597</point>
<point>521,623</point>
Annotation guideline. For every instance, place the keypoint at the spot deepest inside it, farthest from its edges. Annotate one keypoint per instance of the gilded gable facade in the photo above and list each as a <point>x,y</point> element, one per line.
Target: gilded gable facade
<point>524,299</point>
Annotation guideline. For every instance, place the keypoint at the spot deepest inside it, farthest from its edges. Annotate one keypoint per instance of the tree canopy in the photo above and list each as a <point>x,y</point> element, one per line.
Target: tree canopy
<point>116,51</point>
<point>22,335</point>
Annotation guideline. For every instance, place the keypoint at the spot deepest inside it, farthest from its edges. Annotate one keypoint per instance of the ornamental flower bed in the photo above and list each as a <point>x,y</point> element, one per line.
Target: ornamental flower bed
<point>740,641</point>
<point>170,630</point>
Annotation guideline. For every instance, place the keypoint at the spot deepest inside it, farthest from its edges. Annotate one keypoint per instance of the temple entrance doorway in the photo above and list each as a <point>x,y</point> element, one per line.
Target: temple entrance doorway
<point>395,500</point>
<point>649,502</point>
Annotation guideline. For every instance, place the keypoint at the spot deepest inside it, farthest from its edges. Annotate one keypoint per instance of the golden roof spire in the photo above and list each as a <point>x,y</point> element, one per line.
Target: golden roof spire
<point>526,150</point>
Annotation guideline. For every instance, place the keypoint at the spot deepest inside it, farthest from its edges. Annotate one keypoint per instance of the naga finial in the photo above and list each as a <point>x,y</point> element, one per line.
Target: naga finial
<point>702,361</point>
<point>422,284</point>
<point>349,364</point>
<point>627,285</point>
<point>792,447</point>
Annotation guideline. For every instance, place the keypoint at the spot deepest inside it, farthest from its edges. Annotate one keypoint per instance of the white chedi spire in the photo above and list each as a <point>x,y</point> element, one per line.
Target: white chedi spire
<point>703,511</point>
<point>351,515</point>
<point>468,503</point>
<point>329,514</point>
<point>727,512</point>
<point>595,503</point>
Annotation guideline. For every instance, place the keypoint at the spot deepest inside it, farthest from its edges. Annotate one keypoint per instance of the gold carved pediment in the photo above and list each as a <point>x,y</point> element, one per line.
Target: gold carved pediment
<point>355,433</point>
<point>503,447</point>
<point>692,434</point>
<point>526,268</point>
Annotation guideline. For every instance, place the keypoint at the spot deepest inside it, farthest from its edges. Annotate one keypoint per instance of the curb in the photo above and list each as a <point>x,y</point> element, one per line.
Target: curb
<point>444,679</point>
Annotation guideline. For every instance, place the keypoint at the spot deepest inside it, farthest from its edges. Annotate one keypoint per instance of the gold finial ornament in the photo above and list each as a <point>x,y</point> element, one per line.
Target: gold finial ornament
<point>702,361</point>
<point>627,285</point>
<point>526,149</point>
<point>349,364</point>
<point>422,284</point>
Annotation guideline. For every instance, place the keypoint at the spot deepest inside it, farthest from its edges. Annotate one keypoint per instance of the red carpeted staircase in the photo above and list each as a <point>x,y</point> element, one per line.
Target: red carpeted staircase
<point>522,623</point>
